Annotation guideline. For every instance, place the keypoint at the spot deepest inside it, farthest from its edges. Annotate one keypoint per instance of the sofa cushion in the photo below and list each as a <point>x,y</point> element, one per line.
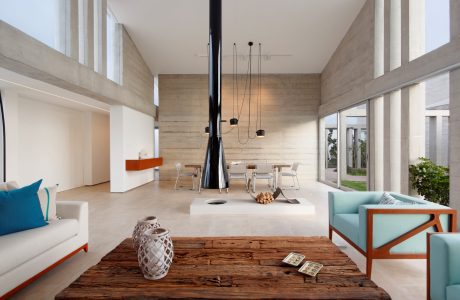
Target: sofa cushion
<point>453,292</point>
<point>348,224</point>
<point>22,246</point>
<point>47,197</point>
<point>20,209</point>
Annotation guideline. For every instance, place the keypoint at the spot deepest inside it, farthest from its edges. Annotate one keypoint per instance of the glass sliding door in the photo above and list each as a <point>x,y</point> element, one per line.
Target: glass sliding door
<point>353,144</point>
<point>331,149</point>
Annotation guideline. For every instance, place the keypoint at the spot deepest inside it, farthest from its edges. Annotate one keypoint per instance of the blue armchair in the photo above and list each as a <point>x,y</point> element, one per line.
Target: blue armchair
<point>443,267</point>
<point>387,231</point>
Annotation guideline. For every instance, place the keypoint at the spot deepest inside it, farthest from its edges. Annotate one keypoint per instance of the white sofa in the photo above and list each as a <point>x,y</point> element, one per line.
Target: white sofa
<point>26,255</point>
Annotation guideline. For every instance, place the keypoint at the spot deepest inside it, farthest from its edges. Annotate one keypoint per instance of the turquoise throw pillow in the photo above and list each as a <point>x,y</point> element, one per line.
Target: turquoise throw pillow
<point>20,209</point>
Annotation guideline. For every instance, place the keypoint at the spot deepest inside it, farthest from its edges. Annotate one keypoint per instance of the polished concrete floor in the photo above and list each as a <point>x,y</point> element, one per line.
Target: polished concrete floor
<point>113,217</point>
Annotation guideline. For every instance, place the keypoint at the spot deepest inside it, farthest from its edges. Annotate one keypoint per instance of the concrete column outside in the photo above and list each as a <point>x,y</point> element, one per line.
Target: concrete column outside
<point>375,138</point>
<point>387,142</point>
<point>416,19</point>
<point>395,141</point>
<point>343,137</point>
<point>321,149</point>
<point>454,139</point>
<point>387,35</point>
<point>357,146</point>
<point>412,131</point>
<point>379,40</point>
<point>454,18</point>
<point>67,36</point>
<point>395,34</point>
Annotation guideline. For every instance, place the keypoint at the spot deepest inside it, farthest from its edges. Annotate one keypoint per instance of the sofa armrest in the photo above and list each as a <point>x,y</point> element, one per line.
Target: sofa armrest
<point>349,202</point>
<point>443,263</point>
<point>395,225</point>
<point>75,210</point>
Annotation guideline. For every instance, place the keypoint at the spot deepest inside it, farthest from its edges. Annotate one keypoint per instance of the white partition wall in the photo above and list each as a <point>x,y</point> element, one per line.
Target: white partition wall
<point>130,132</point>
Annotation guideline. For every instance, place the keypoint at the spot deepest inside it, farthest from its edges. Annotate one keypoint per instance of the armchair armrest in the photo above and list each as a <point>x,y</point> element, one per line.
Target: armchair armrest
<point>443,263</point>
<point>349,202</point>
<point>75,210</point>
<point>402,227</point>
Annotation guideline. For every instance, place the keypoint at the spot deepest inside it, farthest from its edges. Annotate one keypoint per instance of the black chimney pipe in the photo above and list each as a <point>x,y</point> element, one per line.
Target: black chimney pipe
<point>215,169</point>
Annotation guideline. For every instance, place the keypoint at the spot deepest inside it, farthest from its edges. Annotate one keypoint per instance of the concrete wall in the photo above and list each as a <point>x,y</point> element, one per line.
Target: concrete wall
<point>289,106</point>
<point>130,132</point>
<point>27,56</point>
<point>352,64</point>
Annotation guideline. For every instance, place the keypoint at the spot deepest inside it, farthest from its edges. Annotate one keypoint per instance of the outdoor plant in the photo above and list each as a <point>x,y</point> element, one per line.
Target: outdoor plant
<point>430,180</point>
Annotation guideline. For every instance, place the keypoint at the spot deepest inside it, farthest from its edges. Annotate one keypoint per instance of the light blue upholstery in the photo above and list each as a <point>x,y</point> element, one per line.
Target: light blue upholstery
<point>453,292</point>
<point>348,224</point>
<point>386,227</point>
<point>445,266</point>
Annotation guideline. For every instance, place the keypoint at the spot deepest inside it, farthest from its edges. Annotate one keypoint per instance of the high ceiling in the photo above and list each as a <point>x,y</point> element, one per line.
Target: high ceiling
<point>299,36</point>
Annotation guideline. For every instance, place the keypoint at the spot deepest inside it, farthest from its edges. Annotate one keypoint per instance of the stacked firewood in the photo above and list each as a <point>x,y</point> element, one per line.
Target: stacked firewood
<point>264,198</point>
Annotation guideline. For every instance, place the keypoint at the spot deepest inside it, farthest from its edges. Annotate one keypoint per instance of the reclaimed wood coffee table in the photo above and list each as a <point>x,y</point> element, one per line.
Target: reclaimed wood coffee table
<point>229,268</point>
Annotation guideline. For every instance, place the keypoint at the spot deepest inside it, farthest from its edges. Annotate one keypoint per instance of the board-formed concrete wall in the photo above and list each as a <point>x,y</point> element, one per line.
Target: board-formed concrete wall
<point>27,56</point>
<point>289,117</point>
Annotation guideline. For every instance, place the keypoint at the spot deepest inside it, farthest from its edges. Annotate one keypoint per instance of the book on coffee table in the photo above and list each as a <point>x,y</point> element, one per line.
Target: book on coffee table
<point>311,268</point>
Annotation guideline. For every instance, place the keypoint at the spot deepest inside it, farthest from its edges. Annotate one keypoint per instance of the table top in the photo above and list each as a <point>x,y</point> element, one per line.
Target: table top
<point>229,268</point>
<point>248,166</point>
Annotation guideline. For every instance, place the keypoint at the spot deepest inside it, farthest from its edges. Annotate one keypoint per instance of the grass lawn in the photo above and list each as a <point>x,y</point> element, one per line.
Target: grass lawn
<point>355,185</point>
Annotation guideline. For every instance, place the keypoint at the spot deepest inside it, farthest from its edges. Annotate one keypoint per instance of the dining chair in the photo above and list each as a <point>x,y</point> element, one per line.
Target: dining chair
<point>238,171</point>
<point>263,171</point>
<point>181,174</point>
<point>293,174</point>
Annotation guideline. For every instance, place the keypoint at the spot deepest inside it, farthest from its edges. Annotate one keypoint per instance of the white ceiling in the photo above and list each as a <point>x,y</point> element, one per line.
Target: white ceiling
<point>172,35</point>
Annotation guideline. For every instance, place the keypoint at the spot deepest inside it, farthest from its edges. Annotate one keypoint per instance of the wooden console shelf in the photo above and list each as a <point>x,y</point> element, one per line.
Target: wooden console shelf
<point>143,164</point>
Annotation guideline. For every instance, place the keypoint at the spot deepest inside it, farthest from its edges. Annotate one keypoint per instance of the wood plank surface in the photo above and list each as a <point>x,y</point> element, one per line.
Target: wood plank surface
<point>229,268</point>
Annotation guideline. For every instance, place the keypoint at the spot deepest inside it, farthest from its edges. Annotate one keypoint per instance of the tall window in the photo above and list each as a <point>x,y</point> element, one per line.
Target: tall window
<point>37,18</point>
<point>437,24</point>
<point>353,148</point>
<point>331,148</point>
<point>437,119</point>
<point>113,49</point>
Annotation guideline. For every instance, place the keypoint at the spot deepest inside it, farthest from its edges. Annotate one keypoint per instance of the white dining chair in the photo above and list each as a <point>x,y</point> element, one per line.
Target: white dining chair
<point>293,174</point>
<point>238,171</point>
<point>181,174</point>
<point>263,171</point>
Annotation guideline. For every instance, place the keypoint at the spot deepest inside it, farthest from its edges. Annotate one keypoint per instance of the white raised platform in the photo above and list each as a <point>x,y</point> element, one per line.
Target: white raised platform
<point>201,206</point>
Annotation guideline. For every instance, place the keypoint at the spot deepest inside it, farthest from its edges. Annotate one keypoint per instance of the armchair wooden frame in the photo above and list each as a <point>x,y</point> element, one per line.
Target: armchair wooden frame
<point>383,252</point>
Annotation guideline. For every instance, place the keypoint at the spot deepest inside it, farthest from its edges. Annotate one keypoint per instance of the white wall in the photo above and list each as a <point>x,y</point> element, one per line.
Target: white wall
<point>47,141</point>
<point>97,148</point>
<point>130,132</point>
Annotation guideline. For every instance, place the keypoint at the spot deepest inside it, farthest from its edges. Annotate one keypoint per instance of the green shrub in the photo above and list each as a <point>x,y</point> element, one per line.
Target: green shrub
<point>430,181</point>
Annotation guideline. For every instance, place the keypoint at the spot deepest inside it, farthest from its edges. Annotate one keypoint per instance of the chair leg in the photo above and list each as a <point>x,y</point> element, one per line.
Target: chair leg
<point>253,184</point>
<point>293,181</point>
<point>226,190</point>
<point>369,267</point>
<point>298,183</point>
<point>330,232</point>
<point>177,180</point>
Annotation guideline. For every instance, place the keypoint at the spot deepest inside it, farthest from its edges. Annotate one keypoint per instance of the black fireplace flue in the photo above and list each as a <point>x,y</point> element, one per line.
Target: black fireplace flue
<point>215,169</point>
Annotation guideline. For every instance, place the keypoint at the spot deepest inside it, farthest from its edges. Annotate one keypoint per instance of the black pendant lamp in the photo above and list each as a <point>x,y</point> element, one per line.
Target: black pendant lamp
<point>215,169</point>
<point>260,133</point>
<point>234,120</point>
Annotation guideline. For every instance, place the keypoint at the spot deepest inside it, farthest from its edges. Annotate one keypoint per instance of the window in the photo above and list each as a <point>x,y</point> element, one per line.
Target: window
<point>37,18</point>
<point>437,24</point>
<point>331,148</point>
<point>437,119</point>
<point>353,148</point>
<point>113,49</point>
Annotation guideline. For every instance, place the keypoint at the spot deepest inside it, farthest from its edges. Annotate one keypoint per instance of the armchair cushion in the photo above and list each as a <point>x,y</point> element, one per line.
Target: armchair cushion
<point>348,224</point>
<point>453,292</point>
<point>445,266</point>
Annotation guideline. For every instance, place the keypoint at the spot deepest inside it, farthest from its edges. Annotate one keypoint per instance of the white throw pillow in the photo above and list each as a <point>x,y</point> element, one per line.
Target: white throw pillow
<point>8,186</point>
<point>47,197</point>
<point>387,199</point>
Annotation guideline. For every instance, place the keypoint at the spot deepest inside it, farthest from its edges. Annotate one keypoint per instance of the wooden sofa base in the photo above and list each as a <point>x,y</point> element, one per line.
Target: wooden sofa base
<point>383,252</point>
<point>38,275</point>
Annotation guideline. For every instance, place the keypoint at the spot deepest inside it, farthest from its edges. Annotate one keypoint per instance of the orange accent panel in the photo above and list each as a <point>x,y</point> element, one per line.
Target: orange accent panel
<point>143,164</point>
